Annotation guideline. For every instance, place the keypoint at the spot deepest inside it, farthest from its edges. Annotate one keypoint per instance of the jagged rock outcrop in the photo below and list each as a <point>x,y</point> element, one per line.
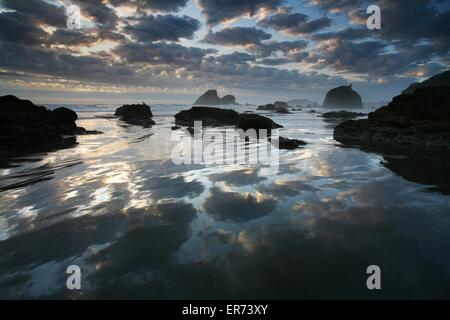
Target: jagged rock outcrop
<point>438,80</point>
<point>211,98</point>
<point>343,97</point>
<point>136,114</point>
<point>419,121</point>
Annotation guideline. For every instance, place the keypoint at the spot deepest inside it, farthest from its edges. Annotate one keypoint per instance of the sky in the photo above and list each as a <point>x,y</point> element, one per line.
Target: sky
<point>171,51</point>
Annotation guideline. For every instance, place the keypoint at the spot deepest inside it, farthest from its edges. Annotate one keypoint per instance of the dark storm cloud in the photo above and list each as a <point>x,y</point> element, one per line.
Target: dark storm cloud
<point>273,61</point>
<point>162,27</point>
<point>98,10</point>
<point>237,36</point>
<point>367,57</point>
<point>236,58</point>
<point>161,53</point>
<point>294,23</point>
<point>217,11</point>
<point>18,28</point>
<point>154,5</point>
<point>284,47</point>
<point>71,37</point>
<point>39,60</point>
<point>336,6</point>
<point>37,10</point>
<point>349,33</point>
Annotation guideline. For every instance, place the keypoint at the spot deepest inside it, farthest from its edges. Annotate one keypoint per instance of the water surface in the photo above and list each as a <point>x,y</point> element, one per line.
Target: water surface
<point>140,226</point>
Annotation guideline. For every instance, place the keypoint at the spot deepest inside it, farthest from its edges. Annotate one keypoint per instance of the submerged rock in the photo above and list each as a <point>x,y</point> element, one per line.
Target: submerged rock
<point>343,97</point>
<point>342,115</point>
<point>223,117</point>
<point>290,144</point>
<point>27,127</point>
<point>211,97</point>
<point>420,120</point>
<point>135,114</point>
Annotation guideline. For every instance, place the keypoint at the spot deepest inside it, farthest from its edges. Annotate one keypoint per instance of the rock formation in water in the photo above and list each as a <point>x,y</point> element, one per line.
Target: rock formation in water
<point>210,97</point>
<point>136,114</point>
<point>26,127</point>
<point>343,97</point>
<point>438,80</point>
<point>290,144</point>
<point>274,108</point>
<point>342,115</point>
<point>223,117</point>
<point>419,121</point>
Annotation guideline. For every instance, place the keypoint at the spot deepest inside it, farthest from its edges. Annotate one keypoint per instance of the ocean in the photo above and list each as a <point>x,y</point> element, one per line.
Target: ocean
<point>140,226</point>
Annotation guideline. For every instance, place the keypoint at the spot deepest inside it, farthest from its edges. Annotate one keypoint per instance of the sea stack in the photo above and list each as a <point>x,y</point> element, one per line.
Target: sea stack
<point>343,97</point>
<point>136,114</point>
<point>211,98</point>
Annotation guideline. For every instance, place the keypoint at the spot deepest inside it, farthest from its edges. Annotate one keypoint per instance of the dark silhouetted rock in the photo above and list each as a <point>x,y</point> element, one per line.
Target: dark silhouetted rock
<point>209,116</point>
<point>175,127</point>
<point>211,97</point>
<point>65,115</point>
<point>228,99</point>
<point>420,120</point>
<point>136,114</point>
<point>290,144</point>
<point>343,97</point>
<point>342,115</point>
<point>256,121</point>
<point>438,80</point>
<point>223,117</point>
<point>26,127</point>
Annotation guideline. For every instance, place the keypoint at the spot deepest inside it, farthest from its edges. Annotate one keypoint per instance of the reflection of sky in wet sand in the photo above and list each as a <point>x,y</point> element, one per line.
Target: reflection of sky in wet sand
<point>140,226</point>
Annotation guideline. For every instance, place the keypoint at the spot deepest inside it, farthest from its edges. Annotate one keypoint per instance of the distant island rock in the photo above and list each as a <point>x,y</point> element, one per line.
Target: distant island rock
<point>211,97</point>
<point>302,103</point>
<point>136,114</point>
<point>223,117</point>
<point>419,121</point>
<point>280,108</point>
<point>440,79</point>
<point>26,127</point>
<point>343,97</point>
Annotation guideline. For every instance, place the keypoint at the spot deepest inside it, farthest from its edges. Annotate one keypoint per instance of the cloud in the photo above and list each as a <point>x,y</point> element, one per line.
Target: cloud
<point>37,10</point>
<point>235,58</point>
<point>294,23</point>
<point>15,27</point>
<point>160,53</point>
<point>336,6</point>
<point>284,47</point>
<point>237,207</point>
<point>348,33</point>
<point>237,36</point>
<point>217,11</point>
<point>162,27</point>
<point>153,5</point>
<point>98,10</point>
